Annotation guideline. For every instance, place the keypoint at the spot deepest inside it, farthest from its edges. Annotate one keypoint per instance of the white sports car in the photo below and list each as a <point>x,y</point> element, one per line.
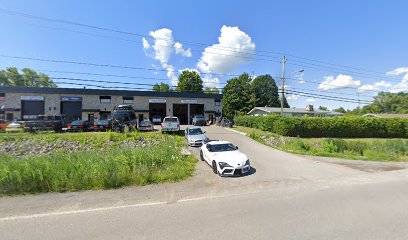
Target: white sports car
<point>225,158</point>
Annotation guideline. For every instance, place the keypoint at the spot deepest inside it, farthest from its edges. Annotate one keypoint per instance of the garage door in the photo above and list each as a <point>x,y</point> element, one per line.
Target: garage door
<point>72,109</point>
<point>157,109</point>
<point>181,111</point>
<point>31,109</point>
<point>196,109</point>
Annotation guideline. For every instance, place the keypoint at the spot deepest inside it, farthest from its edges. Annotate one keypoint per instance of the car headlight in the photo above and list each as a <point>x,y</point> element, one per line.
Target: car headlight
<point>247,163</point>
<point>223,165</point>
<point>191,140</point>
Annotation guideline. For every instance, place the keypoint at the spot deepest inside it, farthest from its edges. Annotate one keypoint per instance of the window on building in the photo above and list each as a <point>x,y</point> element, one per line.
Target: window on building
<point>128,100</point>
<point>217,102</point>
<point>105,99</point>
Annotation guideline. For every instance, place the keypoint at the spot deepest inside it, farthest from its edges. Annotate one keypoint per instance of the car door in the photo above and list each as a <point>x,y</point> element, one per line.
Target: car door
<point>207,154</point>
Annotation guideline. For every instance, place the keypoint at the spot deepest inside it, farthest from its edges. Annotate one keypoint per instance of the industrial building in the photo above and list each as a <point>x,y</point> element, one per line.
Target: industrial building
<point>89,104</point>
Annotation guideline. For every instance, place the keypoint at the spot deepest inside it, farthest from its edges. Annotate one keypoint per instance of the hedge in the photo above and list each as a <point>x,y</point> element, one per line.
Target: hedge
<point>342,127</point>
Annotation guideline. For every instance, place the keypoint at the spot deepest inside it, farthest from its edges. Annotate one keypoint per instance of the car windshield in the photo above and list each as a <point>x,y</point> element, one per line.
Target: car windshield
<point>222,147</point>
<point>145,123</point>
<point>102,122</point>
<point>199,117</point>
<point>78,123</point>
<point>195,131</point>
<point>172,119</point>
<point>121,116</point>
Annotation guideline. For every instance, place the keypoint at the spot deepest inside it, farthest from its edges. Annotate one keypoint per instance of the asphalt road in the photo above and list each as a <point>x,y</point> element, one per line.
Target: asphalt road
<point>285,197</point>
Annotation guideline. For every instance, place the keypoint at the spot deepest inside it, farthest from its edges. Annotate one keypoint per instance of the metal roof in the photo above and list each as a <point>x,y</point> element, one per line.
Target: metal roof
<point>86,91</point>
<point>287,110</point>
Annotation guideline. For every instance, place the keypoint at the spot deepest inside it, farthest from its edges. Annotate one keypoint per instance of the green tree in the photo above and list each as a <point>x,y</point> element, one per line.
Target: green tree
<point>285,102</point>
<point>322,108</point>
<point>237,96</point>
<point>189,81</point>
<point>340,110</point>
<point>386,102</point>
<point>265,91</point>
<point>28,78</point>
<point>213,90</point>
<point>162,87</point>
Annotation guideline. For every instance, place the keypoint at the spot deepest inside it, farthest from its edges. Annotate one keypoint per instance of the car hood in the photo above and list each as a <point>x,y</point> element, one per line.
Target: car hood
<point>197,137</point>
<point>233,158</point>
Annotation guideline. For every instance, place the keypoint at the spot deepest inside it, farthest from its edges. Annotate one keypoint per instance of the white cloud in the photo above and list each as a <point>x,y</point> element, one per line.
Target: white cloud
<point>163,47</point>
<point>234,48</point>
<point>146,44</point>
<point>403,85</point>
<point>310,100</point>
<point>292,96</point>
<point>211,82</point>
<point>341,81</point>
<point>398,71</point>
<point>374,87</point>
<point>180,50</point>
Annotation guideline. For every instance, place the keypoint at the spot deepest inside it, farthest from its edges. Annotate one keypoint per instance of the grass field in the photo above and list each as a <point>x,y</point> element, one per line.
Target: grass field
<point>372,149</point>
<point>81,161</point>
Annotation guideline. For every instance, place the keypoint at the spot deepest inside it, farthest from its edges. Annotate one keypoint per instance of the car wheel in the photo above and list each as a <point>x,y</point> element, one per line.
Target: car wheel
<point>201,156</point>
<point>214,167</point>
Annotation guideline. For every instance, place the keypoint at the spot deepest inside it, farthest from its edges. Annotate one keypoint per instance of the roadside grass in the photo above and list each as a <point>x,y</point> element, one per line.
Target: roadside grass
<point>370,149</point>
<point>111,166</point>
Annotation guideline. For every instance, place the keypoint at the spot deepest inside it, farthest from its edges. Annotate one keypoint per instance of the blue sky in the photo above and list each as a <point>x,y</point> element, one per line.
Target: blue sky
<point>355,43</point>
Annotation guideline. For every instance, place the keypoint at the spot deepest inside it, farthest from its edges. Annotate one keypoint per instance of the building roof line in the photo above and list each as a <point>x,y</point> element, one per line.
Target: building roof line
<point>82,91</point>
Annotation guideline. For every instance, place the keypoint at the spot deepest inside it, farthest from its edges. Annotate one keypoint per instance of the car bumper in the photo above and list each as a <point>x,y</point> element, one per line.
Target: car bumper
<point>170,130</point>
<point>196,143</point>
<point>231,171</point>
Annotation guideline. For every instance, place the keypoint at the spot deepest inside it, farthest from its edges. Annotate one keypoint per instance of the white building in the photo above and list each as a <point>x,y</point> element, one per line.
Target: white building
<point>293,112</point>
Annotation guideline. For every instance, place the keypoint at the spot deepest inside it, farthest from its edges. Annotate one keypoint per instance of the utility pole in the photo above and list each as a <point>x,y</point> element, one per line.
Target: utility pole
<point>283,83</point>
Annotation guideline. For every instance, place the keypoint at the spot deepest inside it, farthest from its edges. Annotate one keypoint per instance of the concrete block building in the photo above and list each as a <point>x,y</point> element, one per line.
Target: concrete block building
<point>89,104</point>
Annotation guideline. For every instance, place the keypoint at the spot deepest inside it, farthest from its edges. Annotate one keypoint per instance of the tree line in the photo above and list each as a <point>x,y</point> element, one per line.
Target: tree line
<point>240,94</point>
<point>12,77</point>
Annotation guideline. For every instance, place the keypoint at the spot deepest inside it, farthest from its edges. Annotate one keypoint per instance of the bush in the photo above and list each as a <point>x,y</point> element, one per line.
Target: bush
<point>337,127</point>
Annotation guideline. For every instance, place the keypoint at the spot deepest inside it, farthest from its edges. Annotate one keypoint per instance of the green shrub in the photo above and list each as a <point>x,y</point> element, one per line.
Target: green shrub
<point>337,127</point>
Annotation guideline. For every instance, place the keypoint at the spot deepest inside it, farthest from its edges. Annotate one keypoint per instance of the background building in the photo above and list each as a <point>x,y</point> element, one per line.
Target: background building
<point>293,112</point>
<point>89,104</point>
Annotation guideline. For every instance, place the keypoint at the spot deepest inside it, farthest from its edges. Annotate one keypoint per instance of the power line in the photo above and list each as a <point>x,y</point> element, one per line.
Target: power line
<point>320,95</point>
<point>107,65</point>
<point>225,48</point>
<point>324,98</point>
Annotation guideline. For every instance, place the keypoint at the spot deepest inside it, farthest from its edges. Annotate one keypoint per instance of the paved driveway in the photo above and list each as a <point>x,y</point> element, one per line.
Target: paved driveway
<point>285,197</point>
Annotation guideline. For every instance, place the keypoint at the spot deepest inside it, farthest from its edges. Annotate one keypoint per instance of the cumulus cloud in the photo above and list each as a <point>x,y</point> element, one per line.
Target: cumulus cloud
<point>403,85</point>
<point>292,97</point>
<point>310,100</point>
<point>234,48</point>
<point>374,87</point>
<point>163,47</point>
<point>339,82</point>
<point>211,82</point>
<point>180,50</point>
<point>146,44</point>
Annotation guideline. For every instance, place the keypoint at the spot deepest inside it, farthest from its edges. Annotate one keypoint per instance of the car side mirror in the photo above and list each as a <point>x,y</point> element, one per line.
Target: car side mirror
<point>236,147</point>
<point>204,131</point>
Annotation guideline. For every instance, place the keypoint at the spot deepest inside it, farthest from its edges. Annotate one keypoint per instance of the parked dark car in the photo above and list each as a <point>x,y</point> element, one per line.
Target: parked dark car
<point>198,120</point>
<point>79,126</point>
<point>46,123</point>
<point>102,125</point>
<point>145,125</point>
<point>124,116</point>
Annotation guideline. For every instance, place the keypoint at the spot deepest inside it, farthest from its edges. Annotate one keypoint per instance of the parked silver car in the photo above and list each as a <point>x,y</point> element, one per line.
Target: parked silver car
<point>195,136</point>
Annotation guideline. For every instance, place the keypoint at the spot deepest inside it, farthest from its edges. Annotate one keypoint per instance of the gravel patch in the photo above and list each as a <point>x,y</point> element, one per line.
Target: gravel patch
<point>36,147</point>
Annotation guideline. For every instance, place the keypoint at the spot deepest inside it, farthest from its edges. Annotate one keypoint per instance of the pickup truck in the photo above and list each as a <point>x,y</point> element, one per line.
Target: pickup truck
<point>170,124</point>
<point>45,123</point>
